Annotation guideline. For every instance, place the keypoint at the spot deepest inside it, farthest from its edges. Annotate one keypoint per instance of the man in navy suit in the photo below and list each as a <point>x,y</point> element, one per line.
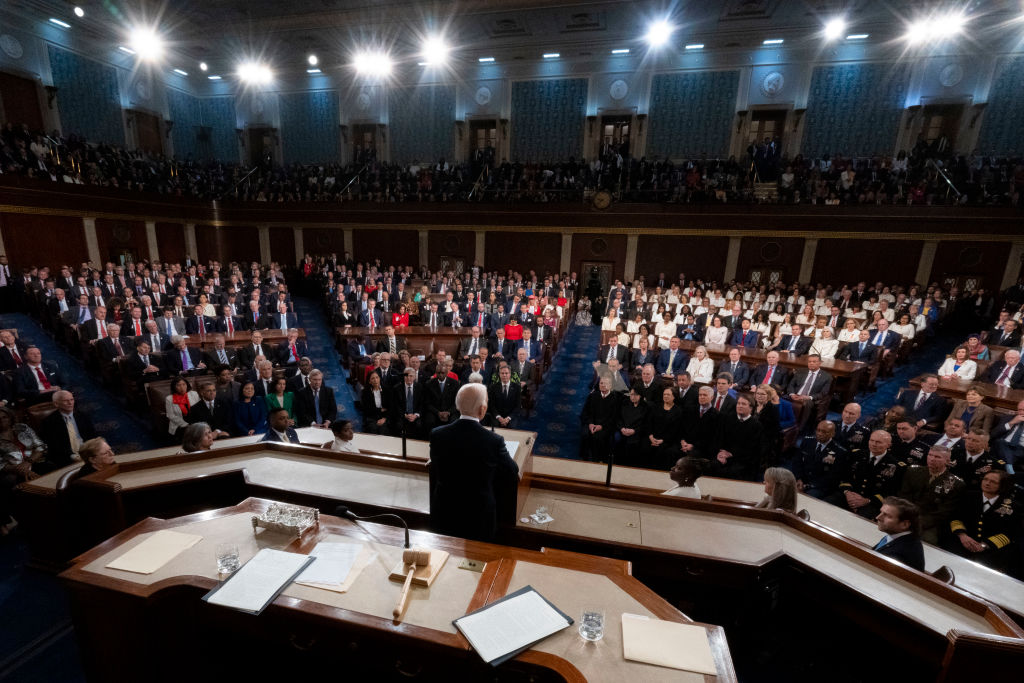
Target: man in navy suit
<point>228,323</point>
<point>1007,372</point>
<point>371,317</point>
<point>744,336</point>
<point>673,360</point>
<point>292,349</point>
<point>255,319</point>
<point>197,323</point>
<point>533,348</point>
<point>284,320</point>
<point>795,342</point>
<point>315,405</point>
<point>35,380</point>
<point>181,359</point>
<point>771,373</point>
<point>862,350</point>
<point>613,349</point>
<point>739,370</point>
<point>470,469</point>
<point>925,406</point>
<point>900,521</point>
<point>500,347</point>
<point>279,430</point>
<point>503,400</point>
<point>498,319</point>
<point>885,339</point>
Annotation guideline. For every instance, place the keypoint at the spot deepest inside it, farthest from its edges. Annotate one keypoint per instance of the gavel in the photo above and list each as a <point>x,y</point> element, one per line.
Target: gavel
<point>412,558</point>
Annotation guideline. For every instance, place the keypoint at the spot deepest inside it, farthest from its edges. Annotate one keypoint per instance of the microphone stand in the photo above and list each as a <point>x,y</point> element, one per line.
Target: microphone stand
<point>405,426</point>
<point>608,476</point>
<point>343,511</point>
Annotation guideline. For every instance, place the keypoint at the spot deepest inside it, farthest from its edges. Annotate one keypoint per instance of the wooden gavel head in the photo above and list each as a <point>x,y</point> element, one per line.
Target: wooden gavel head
<point>416,556</point>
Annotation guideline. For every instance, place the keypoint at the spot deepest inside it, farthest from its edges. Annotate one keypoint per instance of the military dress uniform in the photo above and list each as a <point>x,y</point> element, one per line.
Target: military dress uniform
<point>874,482</point>
<point>996,526</point>
<point>973,471</point>
<point>820,467</point>
<point>936,498</point>
<point>854,439</point>
<point>911,452</point>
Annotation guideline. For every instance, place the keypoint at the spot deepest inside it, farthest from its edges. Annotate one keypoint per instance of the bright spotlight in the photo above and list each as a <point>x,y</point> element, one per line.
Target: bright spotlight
<point>255,73</point>
<point>79,12</point>
<point>312,59</point>
<point>435,51</point>
<point>203,66</point>
<point>658,33</point>
<point>834,29</point>
<point>147,44</point>
<point>372,64</point>
<point>935,28</point>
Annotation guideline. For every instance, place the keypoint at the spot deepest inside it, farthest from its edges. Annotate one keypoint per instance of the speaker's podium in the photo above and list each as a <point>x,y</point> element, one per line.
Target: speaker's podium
<point>156,626</point>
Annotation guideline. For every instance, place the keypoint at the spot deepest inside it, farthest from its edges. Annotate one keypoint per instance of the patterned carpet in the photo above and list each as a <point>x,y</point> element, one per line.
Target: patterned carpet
<point>325,358</point>
<point>556,416</point>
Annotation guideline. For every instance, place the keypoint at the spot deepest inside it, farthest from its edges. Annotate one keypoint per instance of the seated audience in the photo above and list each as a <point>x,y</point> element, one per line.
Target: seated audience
<point>958,366</point>
<point>343,437</point>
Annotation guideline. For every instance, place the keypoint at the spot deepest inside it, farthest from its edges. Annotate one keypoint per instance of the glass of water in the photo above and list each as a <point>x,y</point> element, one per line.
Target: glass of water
<point>592,623</point>
<point>227,558</point>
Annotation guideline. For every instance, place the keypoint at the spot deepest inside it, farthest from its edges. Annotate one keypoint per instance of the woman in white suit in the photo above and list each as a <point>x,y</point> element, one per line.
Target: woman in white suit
<point>959,365</point>
<point>177,405</point>
<point>716,333</point>
<point>701,368</point>
<point>826,345</point>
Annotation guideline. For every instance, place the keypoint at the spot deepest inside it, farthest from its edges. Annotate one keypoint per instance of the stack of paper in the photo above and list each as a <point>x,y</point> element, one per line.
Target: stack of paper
<point>259,581</point>
<point>156,551</point>
<point>667,643</point>
<point>335,565</point>
<point>505,628</point>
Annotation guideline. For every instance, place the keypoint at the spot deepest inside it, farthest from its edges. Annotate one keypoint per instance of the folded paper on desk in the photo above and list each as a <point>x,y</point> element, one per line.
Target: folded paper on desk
<point>259,581</point>
<point>667,643</point>
<point>154,552</point>
<point>503,629</point>
<point>332,565</point>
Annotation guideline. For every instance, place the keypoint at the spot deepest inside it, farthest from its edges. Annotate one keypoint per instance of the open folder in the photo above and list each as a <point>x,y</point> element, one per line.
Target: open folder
<point>503,629</point>
<point>667,643</point>
<point>259,581</point>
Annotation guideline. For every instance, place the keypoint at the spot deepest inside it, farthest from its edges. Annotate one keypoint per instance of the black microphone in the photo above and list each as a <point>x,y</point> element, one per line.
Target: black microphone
<point>343,511</point>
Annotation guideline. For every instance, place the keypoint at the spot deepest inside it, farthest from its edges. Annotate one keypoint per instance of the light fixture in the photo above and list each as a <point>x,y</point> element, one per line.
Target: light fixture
<point>695,46</point>
<point>313,71</point>
<point>126,50</point>
<point>621,51</point>
<point>935,28</point>
<point>148,45</point>
<point>774,41</point>
<point>372,64</point>
<point>834,28</point>
<point>485,60</point>
<point>255,73</point>
<point>58,22</point>
<point>203,66</point>
<point>658,33</point>
<point>79,12</point>
<point>312,59</point>
<point>552,55</point>
<point>858,36</point>
<point>435,51</point>
<point>214,78</point>
<point>180,72</point>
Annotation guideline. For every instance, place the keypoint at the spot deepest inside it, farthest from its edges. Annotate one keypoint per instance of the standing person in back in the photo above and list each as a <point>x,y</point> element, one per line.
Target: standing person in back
<point>473,479</point>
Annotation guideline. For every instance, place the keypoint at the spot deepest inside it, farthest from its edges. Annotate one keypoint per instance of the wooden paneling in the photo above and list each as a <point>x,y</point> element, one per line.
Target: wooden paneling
<point>599,247</point>
<point>453,243</point>
<point>241,243</point>
<point>33,240</point>
<point>987,259</point>
<point>850,261</point>
<point>21,101</point>
<point>323,241</point>
<point>770,252</point>
<point>170,241</point>
<point>115,237</point>
<point>392,247</point>
<point>523,251</point>
<point>697,257</point>
<point>282,246</point>
<point>209,243</point>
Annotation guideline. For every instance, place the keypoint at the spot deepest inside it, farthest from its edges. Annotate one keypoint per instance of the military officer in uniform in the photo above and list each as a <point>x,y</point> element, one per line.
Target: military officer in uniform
<point>872,477</point>
<point>985,525</point>
<point>936,492</point>
<point>907,447</point>
<point>820,463</point>
<point>976,461</point>
<point>850,435</point>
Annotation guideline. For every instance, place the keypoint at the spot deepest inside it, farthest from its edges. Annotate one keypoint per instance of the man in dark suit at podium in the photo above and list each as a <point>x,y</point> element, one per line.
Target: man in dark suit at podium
<point>473,479</point>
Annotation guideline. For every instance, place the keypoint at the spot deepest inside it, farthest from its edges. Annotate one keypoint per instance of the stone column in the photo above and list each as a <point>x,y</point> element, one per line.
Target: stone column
<point>924,266</point>
<point>92,243</point>
<point>151,242</point>
<point>630,267</point>
<point>424,236</point>
<point>265,256</point>
<point>565,265</point>
<point>190,241</point>
<point>300,251</point>
<point>732,259</point>
<point>807,261</point>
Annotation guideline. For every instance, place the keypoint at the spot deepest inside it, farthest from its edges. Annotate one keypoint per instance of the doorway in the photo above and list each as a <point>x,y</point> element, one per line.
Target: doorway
<point>598,277</point>
<point>941,125</point>
<point>147,132</point>
<point>455,264</point>
<point>615,135</point>
<point>483,140</point>
<point>20,98</point>
<point>364,142</point>
<point>261,146</point>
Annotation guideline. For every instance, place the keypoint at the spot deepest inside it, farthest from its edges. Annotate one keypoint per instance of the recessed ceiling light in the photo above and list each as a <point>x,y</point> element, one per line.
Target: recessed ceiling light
<point>313,60</point>
<point>774,41</point>
<point>126,50</point>
<point>695,46</point>
<point>58,22</point>
<point>552,55</point>
<point>485,60</point>
<point>79,12</point>
<point>313,71</point>
<point>214,78</point>
<point>858,36</point>
<point>621,51</point>
<point>203,66</point>
<point>181,72</point>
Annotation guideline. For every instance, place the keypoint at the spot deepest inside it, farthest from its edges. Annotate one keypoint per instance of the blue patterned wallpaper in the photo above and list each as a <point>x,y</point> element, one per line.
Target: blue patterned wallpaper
<point>309,126</point>
<point>87,97</point>
<point>186,112</point>
<point>421,120</point>
<point>854,109</point>
<point>219,115</point>
<point>691,114</point>
<point>1001,129</point>
<point>547,119</point>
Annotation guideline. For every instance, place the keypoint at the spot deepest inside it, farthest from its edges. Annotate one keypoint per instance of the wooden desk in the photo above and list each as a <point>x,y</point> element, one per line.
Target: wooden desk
<point>998,397</point>
<point>300,631</point>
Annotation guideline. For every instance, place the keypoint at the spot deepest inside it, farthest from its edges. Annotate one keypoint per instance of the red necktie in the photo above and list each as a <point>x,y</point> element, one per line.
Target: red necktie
<point>295,353</point>
<point>42,378</point>
<point>718,402</point>
<point>1004,375</point>
<point>117,345</point>
<point>768,375</point>
<point>231,328</point>
<point>149,312</point>
<point>103,329</point>
<point>138,328</point>
<point>17,358</point>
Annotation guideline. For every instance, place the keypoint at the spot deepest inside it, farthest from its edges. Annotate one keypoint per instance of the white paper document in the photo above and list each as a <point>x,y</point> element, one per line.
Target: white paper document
<point>511,625</point>
<point>512,447</point>
<point>156,551</point>
<point>667,643</point>
<point>332,565</point>
<point>260,579</point>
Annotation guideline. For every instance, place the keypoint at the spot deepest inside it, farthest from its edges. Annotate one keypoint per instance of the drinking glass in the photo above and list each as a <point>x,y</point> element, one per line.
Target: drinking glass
<point>227,558</point>
<point>592,623</point>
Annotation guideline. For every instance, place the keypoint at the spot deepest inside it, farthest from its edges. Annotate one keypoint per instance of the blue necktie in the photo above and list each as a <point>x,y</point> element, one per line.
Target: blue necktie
<point>186,362</point>
<point>882,543</point>
<point>316,407</point>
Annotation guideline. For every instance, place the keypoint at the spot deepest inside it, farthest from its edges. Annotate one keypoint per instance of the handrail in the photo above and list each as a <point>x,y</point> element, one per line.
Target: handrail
<point>945,177</point>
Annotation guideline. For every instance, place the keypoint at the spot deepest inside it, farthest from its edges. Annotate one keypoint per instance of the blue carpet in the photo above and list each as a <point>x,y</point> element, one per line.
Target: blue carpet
<point>325,357</point>
<point>124,431</point>
<point>556,415</point>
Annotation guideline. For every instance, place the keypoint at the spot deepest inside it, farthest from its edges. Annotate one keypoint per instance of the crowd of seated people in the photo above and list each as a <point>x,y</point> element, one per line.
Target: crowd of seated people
<point>503,328</point>
<point>830,180</point>
<point>654,402</point>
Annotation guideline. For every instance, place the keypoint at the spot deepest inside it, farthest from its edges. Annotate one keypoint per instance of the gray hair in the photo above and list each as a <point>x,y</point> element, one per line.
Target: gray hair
<point>193,435</point>
<point>470,398</point>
